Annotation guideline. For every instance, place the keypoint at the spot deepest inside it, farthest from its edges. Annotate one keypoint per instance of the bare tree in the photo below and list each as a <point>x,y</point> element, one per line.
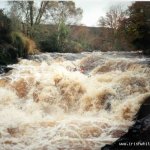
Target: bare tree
<point>111,22</point>
<point>61,14</point>
<point>53,12</point>
<point>41,11</point>
<point>113,17</point>
<point>63,11</point>
<point>28,11</point>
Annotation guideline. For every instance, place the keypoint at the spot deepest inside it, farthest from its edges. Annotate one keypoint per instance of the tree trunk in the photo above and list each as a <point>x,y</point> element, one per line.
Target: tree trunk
<point>31,3</point>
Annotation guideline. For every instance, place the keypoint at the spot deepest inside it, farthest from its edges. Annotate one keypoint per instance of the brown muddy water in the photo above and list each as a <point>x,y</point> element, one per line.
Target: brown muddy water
<point>81,101</point>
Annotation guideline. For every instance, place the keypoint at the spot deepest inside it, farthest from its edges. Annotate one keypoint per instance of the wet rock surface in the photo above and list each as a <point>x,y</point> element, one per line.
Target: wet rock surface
<point>4,69</point>
<point>138,136</point>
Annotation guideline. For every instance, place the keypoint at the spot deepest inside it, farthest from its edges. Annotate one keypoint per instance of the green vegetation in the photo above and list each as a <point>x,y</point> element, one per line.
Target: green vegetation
<point>137,26</point>
<point>7,51</point>
<point>60,14</point>
<point>5,27</point>
<point>23,44</point>
<point>18,41</point>
<point>13,44</point>
<point>128,30</point>
<point>54,26</point>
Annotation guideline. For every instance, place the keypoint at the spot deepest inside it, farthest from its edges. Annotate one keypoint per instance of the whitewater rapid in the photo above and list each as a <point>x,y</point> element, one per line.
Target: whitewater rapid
<point>56,101</point>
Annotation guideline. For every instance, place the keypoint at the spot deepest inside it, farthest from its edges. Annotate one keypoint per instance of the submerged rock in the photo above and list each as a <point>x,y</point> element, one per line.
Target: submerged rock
<point>138,136</point>
<point>8,55</point>
<point>4,69</point>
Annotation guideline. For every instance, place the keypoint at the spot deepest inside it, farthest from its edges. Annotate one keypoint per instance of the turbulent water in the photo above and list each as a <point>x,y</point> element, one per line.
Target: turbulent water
<point>71,101</point>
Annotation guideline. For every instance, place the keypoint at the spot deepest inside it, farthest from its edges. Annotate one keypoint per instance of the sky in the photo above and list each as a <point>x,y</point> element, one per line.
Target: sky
<point>92,9</point>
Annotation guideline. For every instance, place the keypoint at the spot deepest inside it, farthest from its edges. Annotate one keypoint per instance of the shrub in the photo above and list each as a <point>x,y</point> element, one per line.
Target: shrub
<point>23,44</point>
<point>5,27</point>
<point>18,42</point>
<point>30,46</point>
<point>74,47</point>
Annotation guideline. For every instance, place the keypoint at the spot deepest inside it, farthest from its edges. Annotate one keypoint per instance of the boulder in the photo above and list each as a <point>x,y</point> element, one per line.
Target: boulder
<point>138,136</point>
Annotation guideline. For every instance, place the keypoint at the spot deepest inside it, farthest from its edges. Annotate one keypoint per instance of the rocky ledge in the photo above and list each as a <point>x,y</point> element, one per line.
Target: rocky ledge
<point>138,136</point>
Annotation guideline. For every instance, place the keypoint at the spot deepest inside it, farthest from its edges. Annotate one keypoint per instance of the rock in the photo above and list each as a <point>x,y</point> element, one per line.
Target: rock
<point>144,110</point>
<point>4,69</point>
<point>13,131</point>
<point>21,88</point>
<point>3,82</point>
<point>117,133</point>
<point>9,142</point>
<point>8,54</point>
<point>138,136</point>
<point>139,133</point>
<point>146,52</point>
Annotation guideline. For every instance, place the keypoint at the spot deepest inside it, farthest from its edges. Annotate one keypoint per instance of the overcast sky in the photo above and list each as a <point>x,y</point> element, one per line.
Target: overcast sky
<point>92,9</point>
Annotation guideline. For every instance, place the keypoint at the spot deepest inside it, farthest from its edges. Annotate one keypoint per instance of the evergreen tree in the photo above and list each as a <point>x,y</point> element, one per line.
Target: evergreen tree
<point>137,26</point>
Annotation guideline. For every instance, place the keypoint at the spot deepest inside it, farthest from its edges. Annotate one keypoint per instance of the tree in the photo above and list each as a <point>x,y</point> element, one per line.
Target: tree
<point>59,14</point>
<point>63,11</point>
<point>28,13</point>
<point>61,37</point>
<point>13,44</point>
<point>84,36</point>
<point>62,14</point>
<point>113,17</point>
<point>112,21</point>
<point>5,27</point>
<point>137,26</point>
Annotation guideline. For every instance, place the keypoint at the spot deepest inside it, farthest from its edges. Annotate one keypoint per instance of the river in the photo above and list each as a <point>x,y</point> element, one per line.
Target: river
<point>56,101</point>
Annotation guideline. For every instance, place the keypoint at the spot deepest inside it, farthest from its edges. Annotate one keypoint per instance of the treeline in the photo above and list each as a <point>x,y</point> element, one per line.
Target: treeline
<point>119,30</point>
<point>130,29</point>
<point>136,27</point>
<point>48,23</point>
<point>54,26</point>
